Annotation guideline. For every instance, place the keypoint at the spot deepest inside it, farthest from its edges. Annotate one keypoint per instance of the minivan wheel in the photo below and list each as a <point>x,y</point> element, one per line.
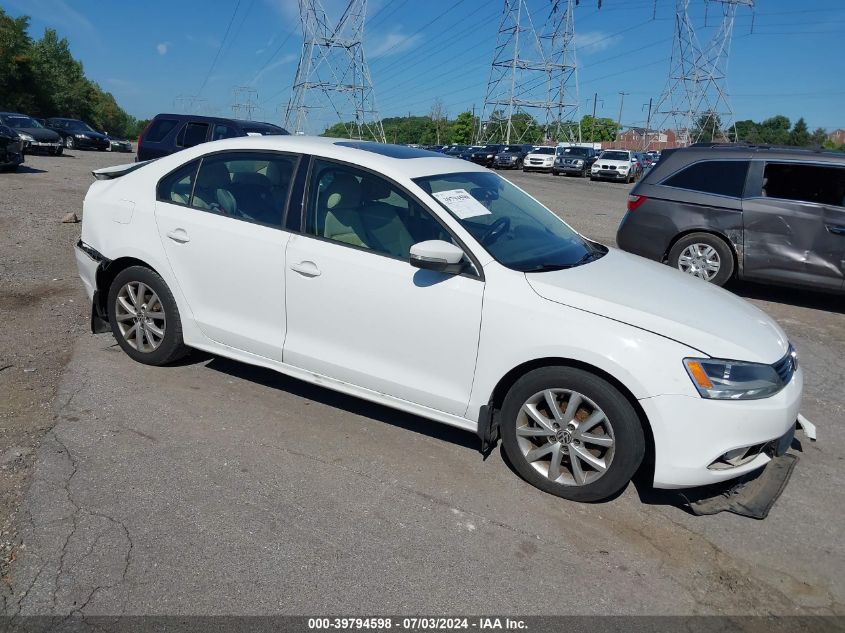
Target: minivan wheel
<point>571,434</point>
<point>144,318</point>
<point>704,256</point>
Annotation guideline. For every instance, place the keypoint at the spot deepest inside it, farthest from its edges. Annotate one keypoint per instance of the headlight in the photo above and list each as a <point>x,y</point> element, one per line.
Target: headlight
<point>80,136</point>
<point>732,380</point>
<point>579,162</point>
<point>25,136</point>
<point>622,168</point>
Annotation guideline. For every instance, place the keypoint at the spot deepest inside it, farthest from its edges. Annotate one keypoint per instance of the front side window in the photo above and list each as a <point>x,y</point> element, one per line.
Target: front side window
<point>808,183</point>
<point>720,177</point>
<point>223,131</point>
<point>250,186</point>
<point>516,230</point>
<point>357,208</point>
<point>192,134</point>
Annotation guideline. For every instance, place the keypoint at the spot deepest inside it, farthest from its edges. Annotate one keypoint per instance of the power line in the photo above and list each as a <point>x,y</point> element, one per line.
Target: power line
<point>220,48</point>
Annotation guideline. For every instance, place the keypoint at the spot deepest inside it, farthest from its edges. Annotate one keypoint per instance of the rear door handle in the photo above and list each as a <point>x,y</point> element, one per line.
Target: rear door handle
<point>179,235</point>
<point>836,229</point>
<point>306,268</point>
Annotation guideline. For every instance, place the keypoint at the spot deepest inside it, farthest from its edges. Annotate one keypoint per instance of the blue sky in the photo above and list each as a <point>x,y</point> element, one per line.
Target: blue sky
<point>148,54</point>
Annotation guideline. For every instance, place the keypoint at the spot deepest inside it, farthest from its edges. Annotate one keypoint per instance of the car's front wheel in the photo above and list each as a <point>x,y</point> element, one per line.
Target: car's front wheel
<point>69,142</point>
<point>144,317</point>
<point>571,433</point>
<point>704,256</point>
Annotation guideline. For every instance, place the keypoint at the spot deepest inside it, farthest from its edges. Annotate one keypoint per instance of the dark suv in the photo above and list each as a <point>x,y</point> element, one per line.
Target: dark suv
<point>169,133</point>
<point>511,156</point>
<point>575,160</point>
<point>760,213</point>
<point>485,154</point>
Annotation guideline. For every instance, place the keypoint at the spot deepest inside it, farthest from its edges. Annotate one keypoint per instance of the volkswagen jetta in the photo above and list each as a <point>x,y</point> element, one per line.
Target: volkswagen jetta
<point>437,287</point>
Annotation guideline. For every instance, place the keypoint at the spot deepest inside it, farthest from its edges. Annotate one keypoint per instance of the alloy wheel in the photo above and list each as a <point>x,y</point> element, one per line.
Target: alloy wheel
<point>700,260</point>
<point>565,437</point>
<point>140,316</point>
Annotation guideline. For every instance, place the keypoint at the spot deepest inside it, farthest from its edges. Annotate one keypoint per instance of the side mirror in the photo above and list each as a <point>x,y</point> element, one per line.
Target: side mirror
<point>437,255</point>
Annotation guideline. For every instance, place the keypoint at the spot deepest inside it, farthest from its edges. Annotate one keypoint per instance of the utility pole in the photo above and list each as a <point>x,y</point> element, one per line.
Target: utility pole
<point>646,142</point>
<point>593,122</point>
<point>333,74</point>
<point>621,103</point>
<point>533,71</point>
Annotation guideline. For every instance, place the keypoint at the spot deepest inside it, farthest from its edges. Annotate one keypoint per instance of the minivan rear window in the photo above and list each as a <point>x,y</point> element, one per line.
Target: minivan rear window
<point>159,129</point>
<point>720,177</point>
<point>821,184</point>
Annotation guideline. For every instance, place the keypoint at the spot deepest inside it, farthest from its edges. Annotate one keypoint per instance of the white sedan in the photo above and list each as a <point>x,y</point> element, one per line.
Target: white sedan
<point>439,288</point>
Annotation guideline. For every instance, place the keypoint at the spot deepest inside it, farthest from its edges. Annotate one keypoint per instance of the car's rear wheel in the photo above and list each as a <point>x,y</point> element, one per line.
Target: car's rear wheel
<point>703,255</point>
<point>571,433</point>
<point>144,318</point>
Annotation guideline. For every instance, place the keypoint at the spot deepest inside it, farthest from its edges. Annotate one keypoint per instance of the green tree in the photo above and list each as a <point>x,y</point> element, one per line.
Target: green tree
<point>775,130</point>
<point>708,128</point>
<point>464,128</point>
<point>602,129</point>
<point>818,137</point>
<point>18,84</point>
<point>800,134</point>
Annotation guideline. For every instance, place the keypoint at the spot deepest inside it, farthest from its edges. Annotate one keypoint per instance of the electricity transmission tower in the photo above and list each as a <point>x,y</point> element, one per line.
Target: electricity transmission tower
<point>189,104</point>
<point>533,76</point>
<point>695,100</point>
<point>244,101</point>
<point>332,78</point>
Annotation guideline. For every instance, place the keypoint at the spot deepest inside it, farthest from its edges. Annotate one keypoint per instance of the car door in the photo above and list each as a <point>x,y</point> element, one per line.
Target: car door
<point>220,220</point>
<point>359,312</point>
<point>794,224</point>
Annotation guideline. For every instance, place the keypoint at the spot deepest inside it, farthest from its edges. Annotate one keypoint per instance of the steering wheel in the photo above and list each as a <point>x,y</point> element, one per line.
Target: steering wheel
<point>495,231</point>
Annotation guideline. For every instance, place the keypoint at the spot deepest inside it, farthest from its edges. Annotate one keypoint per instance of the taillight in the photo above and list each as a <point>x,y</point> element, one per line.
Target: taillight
<point>635,201</point>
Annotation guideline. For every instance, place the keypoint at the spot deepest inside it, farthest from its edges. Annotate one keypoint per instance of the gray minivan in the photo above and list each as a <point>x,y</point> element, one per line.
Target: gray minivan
<point>759,213</point>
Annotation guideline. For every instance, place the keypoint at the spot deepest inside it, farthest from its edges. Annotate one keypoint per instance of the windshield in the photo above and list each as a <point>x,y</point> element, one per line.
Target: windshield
<point>516,230</point>
<point>615,156</point>
<point>19,121</point>
<point>79,126</point>
<point>544,150</point>
<point>577,151</point>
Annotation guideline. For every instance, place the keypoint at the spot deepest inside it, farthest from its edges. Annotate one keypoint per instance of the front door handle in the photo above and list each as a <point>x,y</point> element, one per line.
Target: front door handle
<point>836,229</point>
<point>179,235</point>
<point>306,268</point>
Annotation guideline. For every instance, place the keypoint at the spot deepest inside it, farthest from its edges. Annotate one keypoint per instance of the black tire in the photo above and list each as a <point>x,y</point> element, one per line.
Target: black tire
<point>726,255</point>
<point>628,437</point>
<point>58,151</point>
<point>171,347</point>
<point>69,142</point>
<point>593,178</point>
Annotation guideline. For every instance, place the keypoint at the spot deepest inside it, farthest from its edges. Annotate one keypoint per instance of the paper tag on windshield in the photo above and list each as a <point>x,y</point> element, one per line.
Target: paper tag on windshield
<point>459,202</point>
<point>253,133</point>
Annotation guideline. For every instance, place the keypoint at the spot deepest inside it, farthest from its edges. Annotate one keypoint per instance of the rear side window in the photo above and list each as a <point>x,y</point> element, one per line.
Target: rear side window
<point>159,129</point>
<point>176,187</point>
<point>720,177</point>
<point>192,134</point>
<point>807,183</point>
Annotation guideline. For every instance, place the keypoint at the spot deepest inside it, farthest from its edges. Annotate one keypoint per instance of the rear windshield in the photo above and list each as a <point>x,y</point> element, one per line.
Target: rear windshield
<point>159,129</point>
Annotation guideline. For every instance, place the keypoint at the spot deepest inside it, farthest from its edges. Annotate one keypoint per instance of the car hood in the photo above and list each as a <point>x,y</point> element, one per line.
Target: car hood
<point>654,297</point>
<point>550,156</point>
<point>39,133</point>
<point>95,135</point>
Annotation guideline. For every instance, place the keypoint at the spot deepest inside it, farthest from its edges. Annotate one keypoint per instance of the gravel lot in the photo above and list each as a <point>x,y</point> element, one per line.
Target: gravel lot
<point>217,488</point>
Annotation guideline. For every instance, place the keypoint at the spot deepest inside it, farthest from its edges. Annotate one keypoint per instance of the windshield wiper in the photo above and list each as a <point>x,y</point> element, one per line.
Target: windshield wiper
<point>589,256</point>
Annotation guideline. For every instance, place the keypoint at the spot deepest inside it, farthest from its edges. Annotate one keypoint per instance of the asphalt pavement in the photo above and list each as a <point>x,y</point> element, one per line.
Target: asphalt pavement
<point>213,487</point>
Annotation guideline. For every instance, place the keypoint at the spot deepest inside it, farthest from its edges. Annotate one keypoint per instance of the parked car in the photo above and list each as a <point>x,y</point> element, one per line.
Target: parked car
<point>468,152</point>
<point>78,134</point>
<point>119,145</point>
<point>11,149</point>
<point>35,137</point>
<point>169,133</point>
<point>464,301</point>
<point>574,160</point>
<point>540,159</point>
<point>614,164</point>
<point>455,150</point>
<point>486,154</point>
<point>764,214</point>
<point>511,156</point>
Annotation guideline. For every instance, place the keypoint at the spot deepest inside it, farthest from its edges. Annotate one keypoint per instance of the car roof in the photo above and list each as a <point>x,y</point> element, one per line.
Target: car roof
<point>769,152</point>
<point>199,117</point>
<point>393,160</point>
